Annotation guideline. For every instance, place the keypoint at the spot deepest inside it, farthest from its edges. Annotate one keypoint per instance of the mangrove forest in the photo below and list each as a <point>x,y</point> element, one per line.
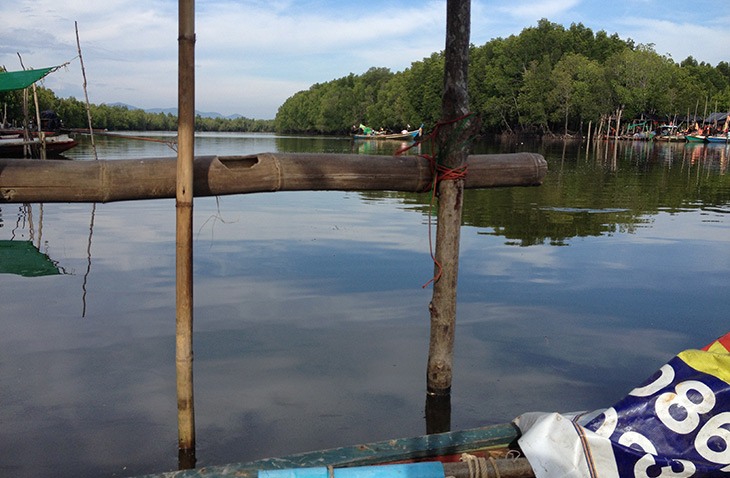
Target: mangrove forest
<point>548,80</point>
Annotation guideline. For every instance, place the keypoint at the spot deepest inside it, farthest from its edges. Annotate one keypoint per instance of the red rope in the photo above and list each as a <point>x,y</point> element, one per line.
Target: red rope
<point>441,172</point>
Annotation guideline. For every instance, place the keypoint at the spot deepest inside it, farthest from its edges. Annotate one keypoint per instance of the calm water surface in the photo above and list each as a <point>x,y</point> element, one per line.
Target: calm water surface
<point>311,326</point>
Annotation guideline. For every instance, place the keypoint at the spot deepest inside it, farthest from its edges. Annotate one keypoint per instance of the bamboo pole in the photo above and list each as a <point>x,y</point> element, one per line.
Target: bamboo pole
<point>184,240</point>
<point>155,178</point>
<point>86,93</point>
<point>27,152</point>
<point>455,104</point>
<point>697,105</point>
<point>41,134</point>
<point>26,126</point>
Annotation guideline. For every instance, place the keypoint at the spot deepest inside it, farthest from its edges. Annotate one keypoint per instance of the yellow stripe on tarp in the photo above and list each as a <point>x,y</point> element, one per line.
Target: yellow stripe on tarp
<point>721,345</point>
<point>717,347</point>
<point>710,362</point>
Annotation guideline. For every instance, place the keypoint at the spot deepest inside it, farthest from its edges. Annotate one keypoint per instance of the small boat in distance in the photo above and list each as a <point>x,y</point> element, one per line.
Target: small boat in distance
<point>668,132</point>
<point>11,144</point>
<point>719,138</point>
<point>695,138</point>
<point>369,133</point>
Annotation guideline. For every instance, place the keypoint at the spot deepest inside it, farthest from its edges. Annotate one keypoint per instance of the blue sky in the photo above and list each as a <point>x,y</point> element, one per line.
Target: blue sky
<point>252,55</point>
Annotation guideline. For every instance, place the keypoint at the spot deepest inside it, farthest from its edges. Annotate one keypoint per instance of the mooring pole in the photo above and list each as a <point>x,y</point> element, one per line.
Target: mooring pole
<point>184,236</point>
<point>451,137</point>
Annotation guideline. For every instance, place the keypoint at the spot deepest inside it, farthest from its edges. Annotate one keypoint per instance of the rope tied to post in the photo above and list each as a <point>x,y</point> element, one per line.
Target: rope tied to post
<point>441,171</point>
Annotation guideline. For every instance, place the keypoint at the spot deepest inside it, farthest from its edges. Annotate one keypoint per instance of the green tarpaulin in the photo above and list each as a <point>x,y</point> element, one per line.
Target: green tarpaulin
<point>17,80</point>
<point>22,258</point>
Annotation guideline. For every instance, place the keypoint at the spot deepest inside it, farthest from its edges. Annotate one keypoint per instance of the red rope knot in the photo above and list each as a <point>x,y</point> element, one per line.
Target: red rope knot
<point>441,171</point>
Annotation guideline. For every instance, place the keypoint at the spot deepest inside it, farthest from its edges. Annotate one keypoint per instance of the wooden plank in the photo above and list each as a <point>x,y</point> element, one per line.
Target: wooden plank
<point>389,451</point>
<point>29,181</point>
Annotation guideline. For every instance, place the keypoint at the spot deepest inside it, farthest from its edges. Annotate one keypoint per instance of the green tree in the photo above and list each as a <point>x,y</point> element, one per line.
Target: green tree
<point>576,87</point>
<point>638,80</point>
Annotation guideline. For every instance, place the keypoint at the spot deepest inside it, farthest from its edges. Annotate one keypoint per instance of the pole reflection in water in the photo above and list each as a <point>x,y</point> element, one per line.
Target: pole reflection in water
<point>88,261</point>
<point>438,413</point>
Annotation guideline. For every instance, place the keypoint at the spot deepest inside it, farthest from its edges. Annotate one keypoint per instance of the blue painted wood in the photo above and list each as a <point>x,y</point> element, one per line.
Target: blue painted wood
<point>403,449</point>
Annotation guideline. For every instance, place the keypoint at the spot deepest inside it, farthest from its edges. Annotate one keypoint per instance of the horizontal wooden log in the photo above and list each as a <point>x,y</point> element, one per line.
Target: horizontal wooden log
<point>24,180</point>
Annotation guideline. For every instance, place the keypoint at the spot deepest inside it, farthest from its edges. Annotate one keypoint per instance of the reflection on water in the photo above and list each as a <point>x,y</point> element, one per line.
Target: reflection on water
<point>311,327</point>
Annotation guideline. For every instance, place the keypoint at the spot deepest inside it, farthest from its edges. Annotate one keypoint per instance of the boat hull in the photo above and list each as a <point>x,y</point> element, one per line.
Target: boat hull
<point>408,136</point>
<point>12,147</point>
<point>494,441</point>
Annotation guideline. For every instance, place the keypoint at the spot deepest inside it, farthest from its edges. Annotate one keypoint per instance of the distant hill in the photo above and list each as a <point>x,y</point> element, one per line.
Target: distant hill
<point>173,111</point>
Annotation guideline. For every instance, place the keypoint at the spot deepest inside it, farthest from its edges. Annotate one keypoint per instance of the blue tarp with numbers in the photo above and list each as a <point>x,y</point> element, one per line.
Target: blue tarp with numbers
<point>674,425</point>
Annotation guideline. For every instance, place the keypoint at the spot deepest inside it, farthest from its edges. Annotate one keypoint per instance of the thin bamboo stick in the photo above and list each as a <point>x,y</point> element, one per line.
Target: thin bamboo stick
<point>184,240</point>
<point>86,93</point>
<point>455,104</point>
<point>27,138</point>
<point>26,126</point>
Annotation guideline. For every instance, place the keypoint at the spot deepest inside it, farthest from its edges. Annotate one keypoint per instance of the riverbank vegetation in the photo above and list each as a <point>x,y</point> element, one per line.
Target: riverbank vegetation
<point>118,117</point>
<point>547,80</point>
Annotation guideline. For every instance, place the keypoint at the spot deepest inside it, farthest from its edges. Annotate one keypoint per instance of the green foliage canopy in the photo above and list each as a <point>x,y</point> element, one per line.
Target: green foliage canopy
<point>116,118</point>
<point>546,79</point>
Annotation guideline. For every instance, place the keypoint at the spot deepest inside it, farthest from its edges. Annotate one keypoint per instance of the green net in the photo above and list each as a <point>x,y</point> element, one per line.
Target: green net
<point>17,80</point>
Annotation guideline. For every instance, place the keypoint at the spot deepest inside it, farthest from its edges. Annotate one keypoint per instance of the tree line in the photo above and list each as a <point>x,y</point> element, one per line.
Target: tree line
<point>117,117</point>
<point>548,79</point>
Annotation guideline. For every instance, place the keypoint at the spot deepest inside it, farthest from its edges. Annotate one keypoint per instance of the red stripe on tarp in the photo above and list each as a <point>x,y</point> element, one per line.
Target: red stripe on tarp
<point>724,341</point>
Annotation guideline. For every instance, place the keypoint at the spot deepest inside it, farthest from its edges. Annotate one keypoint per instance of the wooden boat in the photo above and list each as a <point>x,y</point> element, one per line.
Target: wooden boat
<point>668,133</point>
<point>11,145</point>
<point>495,445</point>
<point>718,138</point>
<point>402,136</point>
<point>695,138</point>
<point>670,138</point>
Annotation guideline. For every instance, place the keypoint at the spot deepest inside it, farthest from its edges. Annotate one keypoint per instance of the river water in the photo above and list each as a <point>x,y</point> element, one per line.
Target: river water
<point>311,323</point>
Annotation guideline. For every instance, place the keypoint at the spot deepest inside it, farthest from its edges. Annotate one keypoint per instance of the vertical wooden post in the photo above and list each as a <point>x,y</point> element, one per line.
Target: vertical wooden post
<point>41,134</point>
<point>184,239</point>
<point>26,126</point>
<point>27,150</point>
<point>455,104</point>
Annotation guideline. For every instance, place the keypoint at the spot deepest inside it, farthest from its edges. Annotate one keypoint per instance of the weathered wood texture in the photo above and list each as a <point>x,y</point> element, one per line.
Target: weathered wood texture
<point>454,105</point>
<point>23,180</point>
<point>493,440</point>
<point>184,229</point>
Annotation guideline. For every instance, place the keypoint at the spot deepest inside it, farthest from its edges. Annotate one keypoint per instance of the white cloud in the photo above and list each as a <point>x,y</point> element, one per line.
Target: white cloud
<point>535,10</point>
<point>261,52</point>
<point>703,42</point>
